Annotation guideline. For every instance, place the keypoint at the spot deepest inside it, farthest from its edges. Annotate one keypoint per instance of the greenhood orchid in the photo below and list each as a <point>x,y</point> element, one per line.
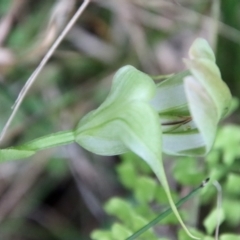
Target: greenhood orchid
<point>178,116</point>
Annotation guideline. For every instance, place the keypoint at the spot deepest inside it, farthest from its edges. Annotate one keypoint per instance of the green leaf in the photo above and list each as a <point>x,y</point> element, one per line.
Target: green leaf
<point>120,209</point>
<point>228,141</point>
<point>120,232</point>
<point>127,174</point>
<point>139,165</point>
<point>161,197</point>
<point>187,171</point>
<point>213,158</point>
<point>101,235</point>
<point>212,219</point>
<point>145,189</point>
<point>218,172</point>
<point>172,220</point>
<point>229,237</point>
<point>232,211</point>
<point>232,184</point>
<point>138,222</point>
<point>183,236</point>
<point>145,210</point>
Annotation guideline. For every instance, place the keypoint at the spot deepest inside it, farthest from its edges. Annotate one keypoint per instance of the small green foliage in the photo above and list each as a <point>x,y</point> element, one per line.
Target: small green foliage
<point>121,209</point>
<point>210,222</point>
<point>145,189</point>
<point>228,141</point>
<point>130,221</point>
<point>161,196</point>
<point>232,184</point>
<point>183,236</point>
<point>172,220</point>
<point>139,222</point>
<point>138,213</point>
<point>119,231</point>
<point>101,235</point>
<point>127,174</point>
<point>213,158</point>
<point>229,237</point>
<point>232,211</point>
<point>218,171</point>
<point>188,171</point>
<point>221,161</point>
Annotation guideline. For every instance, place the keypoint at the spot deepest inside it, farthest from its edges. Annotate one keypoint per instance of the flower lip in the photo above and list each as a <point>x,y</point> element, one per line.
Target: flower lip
<point>184,121</point>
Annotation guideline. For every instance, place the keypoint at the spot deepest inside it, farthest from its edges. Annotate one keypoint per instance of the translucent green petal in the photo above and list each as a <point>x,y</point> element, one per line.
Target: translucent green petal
<point>201,49</point>
<point>95,131</point>
<point>197,136</point>
<point>170,96</point>
<point>180,133</point>
<point>184,143</point>
<point>203,110</point>
<point>207,73</point>
<point>138,128</point>
<point>101,139</point>
<point>131,84</point>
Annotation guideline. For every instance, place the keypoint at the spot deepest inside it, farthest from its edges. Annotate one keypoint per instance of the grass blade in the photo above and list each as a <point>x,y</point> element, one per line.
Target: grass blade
<point>168,211</point>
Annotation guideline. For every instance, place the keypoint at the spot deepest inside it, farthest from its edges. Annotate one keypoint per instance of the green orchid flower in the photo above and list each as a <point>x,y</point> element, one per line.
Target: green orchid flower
<point>179,116</point>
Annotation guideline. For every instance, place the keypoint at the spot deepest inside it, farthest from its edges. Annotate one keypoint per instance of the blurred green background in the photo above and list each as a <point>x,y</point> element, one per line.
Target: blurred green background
<point>59,194</point>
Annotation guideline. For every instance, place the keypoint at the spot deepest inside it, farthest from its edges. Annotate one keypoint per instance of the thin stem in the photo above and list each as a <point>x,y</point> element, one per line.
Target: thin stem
<point>34,75</point>
<point>53,140</point>
<point>167,212</point>
<point>163,179</point>
<point>161,77</point>
<point>219,205</point>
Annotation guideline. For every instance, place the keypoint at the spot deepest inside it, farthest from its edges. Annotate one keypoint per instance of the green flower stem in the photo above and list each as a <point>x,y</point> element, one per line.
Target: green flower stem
<point>28,149</point>
<point>52,140</point>
<point>167,212</point>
